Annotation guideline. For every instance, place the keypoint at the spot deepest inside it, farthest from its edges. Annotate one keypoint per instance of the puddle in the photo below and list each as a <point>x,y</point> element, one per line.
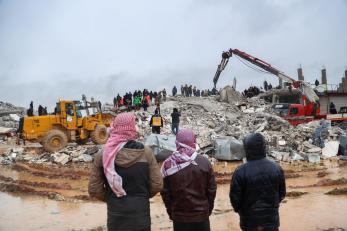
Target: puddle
<point>312,210</point>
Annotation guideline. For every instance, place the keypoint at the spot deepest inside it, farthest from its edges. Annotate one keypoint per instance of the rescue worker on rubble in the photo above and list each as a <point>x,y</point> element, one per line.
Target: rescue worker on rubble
<point>164,95</point>
<point>175,116</point>
<point>125,174</point>
<point>174,91</point>
<point>145,102</point>
<point>189,185</point>
<point>257,188</point>
<point>30,111</point>
<point>156,122</point>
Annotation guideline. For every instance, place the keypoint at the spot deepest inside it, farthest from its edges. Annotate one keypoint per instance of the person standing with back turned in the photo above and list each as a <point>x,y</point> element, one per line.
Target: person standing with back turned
<point>125,175</point>
<point>257,188</point>
<point>189,185</point>
<point>175,116</point>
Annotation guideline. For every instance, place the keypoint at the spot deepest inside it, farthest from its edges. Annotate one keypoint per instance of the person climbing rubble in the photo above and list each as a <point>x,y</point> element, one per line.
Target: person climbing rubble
<point>156,122</point>
<point>257,187</point>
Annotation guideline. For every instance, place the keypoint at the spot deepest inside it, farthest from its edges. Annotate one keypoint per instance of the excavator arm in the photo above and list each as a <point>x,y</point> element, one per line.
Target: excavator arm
<point>305,88</point>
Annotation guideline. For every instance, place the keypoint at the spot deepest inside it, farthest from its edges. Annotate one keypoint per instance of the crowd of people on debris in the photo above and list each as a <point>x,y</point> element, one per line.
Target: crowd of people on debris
<point>139,99</point>
<point>189,91</point>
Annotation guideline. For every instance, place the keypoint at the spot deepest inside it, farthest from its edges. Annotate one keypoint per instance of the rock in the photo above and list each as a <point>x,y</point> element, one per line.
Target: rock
<point>313,158</point>
<point>282,142</point>
<point>18,150</point>
<point>331,149</point>
<point>219,129</point>
<point>87,158</point>
<point>61,158</point>
<point>314,150</point>
<point>211,125</point>
<point>91,150</point>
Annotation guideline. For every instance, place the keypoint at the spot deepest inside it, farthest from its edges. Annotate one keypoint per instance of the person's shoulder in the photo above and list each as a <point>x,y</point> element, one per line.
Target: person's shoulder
<point>203,159</point>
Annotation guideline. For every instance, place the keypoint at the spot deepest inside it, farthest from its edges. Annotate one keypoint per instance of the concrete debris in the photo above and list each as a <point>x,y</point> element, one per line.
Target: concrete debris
<point>331,149</point>
<point>220,126</point>
<point>72,153</point>
<point>60,158</point>
<point>314,158</point>
<point>229,95</point>
<point>10,115</point>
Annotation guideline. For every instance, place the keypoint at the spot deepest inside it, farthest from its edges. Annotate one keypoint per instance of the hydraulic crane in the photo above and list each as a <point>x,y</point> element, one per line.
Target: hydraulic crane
<point>305,88</point>
<point>295,113</point>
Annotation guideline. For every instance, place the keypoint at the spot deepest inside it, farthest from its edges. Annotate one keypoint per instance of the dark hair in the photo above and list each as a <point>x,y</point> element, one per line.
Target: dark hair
<point>175,110</point>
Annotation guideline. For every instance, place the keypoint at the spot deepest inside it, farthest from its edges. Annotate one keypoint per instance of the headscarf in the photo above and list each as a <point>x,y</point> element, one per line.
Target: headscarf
<point>184,156</point>
<point>122,130</point>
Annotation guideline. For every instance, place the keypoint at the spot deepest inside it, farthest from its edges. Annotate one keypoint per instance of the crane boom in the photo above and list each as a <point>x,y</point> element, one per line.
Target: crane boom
<point>305,88</point>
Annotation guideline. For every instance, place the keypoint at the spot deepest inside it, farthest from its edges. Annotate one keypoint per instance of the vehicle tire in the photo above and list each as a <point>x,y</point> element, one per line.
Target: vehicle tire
<point>99,135</point>
<point>54,140</point>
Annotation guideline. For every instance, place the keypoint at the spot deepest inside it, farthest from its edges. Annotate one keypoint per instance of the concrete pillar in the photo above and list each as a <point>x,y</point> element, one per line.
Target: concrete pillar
<point>280,82</point>
<point>300,74</point>
<point>324,76</point>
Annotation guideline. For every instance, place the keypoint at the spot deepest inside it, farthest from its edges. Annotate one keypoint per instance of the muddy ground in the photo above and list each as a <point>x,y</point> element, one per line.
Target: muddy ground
<point>51,197</point>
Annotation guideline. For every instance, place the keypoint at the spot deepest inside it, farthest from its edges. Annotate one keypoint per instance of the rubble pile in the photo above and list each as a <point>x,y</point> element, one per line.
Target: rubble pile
<point>229,95</point>
<point>10,115</point>
<point>214,121</point>
<point>220,122</point>
<point>71,154</point>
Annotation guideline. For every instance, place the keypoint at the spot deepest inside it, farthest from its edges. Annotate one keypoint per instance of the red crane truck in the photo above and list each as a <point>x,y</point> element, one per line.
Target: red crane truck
<point>306,111</point>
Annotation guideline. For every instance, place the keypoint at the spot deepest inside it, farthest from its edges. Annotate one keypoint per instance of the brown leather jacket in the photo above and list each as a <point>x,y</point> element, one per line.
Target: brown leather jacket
<point>189,194</point>
<point>125,158</point>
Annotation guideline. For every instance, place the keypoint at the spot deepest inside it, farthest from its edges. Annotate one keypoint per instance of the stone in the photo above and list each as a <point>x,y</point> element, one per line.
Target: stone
<point>92,150</point>
<point>313,158</point>
<point>87,158</point>
<point>61,158</point>
<point>282,142</point>
<point>330,149</point>
<point>18,150</point>
<point>211,125</point>
<point>314,150</point>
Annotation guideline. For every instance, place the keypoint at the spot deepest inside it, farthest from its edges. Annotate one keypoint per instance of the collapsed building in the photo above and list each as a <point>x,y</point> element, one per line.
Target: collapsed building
<point>221,123</point>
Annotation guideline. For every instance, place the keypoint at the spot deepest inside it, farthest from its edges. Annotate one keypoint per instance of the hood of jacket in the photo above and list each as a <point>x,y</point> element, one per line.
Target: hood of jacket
<point>255,146</point>
<point>131,153</point>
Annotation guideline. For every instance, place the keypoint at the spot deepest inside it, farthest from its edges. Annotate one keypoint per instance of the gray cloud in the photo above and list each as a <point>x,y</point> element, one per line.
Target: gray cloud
<point>51,49</point>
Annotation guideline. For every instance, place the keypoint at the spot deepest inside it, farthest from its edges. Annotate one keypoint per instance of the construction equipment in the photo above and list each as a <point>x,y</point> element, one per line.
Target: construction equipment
<point>72,121</point>
<point>307,110</point>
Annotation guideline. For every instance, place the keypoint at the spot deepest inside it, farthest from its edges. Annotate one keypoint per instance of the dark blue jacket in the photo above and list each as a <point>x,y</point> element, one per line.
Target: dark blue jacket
<point>257,187</point>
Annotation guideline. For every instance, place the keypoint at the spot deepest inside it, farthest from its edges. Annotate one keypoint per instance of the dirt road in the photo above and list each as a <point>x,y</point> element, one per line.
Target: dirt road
<point>38,197</point>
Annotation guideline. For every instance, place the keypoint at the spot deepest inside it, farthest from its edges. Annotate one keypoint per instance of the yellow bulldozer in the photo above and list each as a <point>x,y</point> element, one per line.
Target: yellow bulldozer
<point>72,121</point>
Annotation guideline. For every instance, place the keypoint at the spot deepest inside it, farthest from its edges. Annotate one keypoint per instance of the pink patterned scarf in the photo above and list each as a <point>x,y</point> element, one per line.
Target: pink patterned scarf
<point>184,156</point>
<point>122,130</point>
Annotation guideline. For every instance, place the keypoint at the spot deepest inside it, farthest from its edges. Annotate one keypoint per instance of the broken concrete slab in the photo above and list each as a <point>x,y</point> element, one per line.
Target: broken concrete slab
<point>331,149</point>
<point>313,158</point>
<point>61,158</point>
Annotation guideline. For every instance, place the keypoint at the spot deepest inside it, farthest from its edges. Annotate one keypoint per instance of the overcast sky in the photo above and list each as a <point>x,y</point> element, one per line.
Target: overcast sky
<point>63,48</point>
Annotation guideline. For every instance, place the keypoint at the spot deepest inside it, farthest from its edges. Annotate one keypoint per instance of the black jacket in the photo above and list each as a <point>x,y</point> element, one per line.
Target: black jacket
<point>175,117</point>
<point>189,194</point>
<point>257,187</point>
